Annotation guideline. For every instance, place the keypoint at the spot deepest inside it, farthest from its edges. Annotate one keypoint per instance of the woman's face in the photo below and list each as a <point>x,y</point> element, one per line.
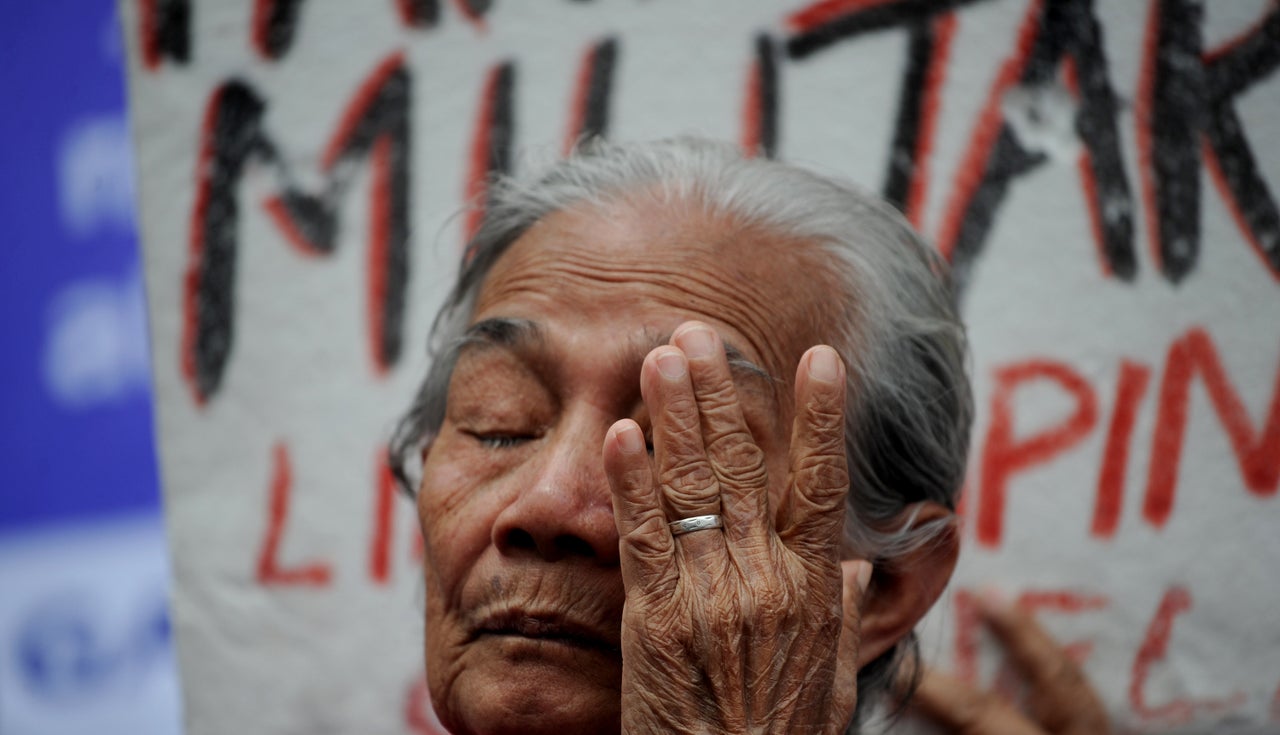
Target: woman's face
<point>524,595</point>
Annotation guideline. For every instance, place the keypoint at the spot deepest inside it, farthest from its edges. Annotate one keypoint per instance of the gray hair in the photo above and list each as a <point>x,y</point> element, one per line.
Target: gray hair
<point>910,406</point>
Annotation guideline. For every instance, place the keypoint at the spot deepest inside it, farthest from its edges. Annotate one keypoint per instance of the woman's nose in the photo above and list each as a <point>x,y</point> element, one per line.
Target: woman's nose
<point>565,510</point>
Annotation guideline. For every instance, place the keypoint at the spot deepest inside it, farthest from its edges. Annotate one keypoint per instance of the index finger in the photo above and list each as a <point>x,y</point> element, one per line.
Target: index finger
<point>645,546</point>
<point>962,709</point>
<point>1060,697</point>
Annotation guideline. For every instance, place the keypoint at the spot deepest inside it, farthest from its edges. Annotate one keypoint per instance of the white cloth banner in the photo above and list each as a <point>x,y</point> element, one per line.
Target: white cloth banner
<point>1103,176</point>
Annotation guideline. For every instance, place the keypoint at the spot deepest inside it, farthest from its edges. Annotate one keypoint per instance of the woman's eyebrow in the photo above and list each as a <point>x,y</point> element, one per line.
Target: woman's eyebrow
<point>521,334</point>
<point>743,367</point>
<point>500,332</point>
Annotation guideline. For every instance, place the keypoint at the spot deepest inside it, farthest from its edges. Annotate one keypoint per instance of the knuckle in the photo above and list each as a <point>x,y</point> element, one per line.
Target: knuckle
<point>738,457</point>
<point>824,410</point>
<point>666,626</point>
<point>715,612</point>
<point>678,439</point>
<point>833,465</point>
<point>681,409</point>
<point>647,539</point>
<point>716,392</point>
<point>692,481</point>
<point>772,608</point>
<point>647,551</point>
<point>825,426</point>
<point>824,477</point>
<point>630,480</point>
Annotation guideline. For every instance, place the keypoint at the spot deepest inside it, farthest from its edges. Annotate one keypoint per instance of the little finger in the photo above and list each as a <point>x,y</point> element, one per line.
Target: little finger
<point>814,516</point>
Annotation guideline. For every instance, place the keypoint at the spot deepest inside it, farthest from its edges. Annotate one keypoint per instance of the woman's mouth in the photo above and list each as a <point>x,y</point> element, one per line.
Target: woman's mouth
<point>548,628</point>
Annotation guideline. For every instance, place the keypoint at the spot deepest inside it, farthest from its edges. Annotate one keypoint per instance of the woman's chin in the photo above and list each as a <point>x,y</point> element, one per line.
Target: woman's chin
<point>530,696</point>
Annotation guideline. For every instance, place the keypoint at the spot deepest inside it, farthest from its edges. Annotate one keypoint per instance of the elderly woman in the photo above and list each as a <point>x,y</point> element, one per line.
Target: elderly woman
<point>649,502</point>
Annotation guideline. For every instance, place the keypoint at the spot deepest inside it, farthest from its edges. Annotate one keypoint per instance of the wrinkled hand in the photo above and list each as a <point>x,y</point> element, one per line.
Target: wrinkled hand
<point>1059,701</point>
<point>733,630</point>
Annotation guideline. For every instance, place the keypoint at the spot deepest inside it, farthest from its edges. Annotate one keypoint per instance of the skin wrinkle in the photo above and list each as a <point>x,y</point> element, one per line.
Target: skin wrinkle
<point>525,339</point>
<point>608,263</point>
<point>517,333</point>
<point>878,281</point>
<point>743,460</point>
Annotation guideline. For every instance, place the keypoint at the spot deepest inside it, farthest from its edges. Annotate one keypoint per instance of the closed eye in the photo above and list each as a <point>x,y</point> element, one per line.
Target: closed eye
<point>501,441</point>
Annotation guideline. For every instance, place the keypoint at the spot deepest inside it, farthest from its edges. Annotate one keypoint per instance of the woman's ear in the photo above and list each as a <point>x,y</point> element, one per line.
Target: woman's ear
<point>903,590</point>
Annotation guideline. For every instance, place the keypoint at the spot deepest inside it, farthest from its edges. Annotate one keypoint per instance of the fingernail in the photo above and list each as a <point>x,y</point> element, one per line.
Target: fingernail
<point>824,365</point>
<point>696,342</point>
<point>864,576</point>
<point>671,365</point>
<point>630,440</point>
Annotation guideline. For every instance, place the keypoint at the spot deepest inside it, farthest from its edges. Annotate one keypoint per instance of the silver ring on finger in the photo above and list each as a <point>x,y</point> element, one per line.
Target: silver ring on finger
<point>696,523</point>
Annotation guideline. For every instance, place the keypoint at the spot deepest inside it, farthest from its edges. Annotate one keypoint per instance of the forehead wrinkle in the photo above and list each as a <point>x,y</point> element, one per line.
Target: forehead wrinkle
<point>770,289</point>
<point>522,335</point>
<point>584,267</point>
<point>716,290</point>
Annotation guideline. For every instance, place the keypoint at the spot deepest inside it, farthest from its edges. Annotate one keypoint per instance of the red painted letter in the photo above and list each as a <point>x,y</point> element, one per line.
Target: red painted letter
<point>315,574</point>
<point>1257,454</point>
<point>383,516</point>
<point>1155,646</point>
<point>1004,455</point>
<point>1115,458</point>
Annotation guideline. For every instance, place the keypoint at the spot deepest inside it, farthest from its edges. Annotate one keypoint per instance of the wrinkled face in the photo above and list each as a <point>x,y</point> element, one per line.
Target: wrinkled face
<point>523,592</point>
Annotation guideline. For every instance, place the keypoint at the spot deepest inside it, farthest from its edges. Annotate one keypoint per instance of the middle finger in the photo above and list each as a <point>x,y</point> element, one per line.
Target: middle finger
<point>732,452</point>
<point>687,483</point>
